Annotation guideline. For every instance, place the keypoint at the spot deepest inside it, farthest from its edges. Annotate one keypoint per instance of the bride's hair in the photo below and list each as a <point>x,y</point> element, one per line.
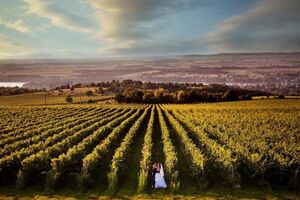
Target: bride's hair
<point>156,165</point>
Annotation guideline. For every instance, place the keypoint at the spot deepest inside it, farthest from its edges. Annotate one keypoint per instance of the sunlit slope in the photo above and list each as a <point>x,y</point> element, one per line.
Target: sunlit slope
<point>38,98</point>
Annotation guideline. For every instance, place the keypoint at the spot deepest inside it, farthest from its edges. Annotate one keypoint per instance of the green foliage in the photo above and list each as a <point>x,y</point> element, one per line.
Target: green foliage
<point>240,140</point>
<point>90,101</point>
<point>20,182</point>
<point>182,96</point>
<point>69,99</point>
<point>100,90</point>
<point>229,95</point>
<point>89,93</point>
<point>91,160</point>
<point>72,159</point>
<point>38,98</point>
<point>37,159</point>
<point>122,152</point>
<point>197,159</point>
<point>145,163</point>
<point>171,161</point>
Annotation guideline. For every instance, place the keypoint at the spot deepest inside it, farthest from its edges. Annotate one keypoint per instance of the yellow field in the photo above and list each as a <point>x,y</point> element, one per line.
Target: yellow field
<point>39,99</point>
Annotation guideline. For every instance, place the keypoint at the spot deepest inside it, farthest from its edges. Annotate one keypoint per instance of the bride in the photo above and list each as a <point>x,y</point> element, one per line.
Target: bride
<point>159,181</point>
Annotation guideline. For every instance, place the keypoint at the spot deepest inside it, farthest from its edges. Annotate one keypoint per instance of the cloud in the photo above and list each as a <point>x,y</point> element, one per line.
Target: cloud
<point>58,16</point>
<point>271,25</point>
<point>133,24</point>
<point>17,25</point>
<point>10,47</point>
<point>149,47</point>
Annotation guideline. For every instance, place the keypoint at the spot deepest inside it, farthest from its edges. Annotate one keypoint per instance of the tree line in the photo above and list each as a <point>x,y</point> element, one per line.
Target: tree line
<point>132,91</point>
<point>180,96</point>
<point>6,91</point>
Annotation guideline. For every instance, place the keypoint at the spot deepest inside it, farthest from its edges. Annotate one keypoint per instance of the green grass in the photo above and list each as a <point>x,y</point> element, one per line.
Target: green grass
<point>127,191</point>
<point>131,172</point>
<point>8,193</point>
<point>39,99</point>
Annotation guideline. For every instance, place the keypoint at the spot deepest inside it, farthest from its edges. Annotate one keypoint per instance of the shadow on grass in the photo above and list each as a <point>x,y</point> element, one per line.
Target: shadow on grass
<point>11,193</point>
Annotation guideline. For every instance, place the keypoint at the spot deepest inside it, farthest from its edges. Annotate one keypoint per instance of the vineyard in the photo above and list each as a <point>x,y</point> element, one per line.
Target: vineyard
<point>112,147</point>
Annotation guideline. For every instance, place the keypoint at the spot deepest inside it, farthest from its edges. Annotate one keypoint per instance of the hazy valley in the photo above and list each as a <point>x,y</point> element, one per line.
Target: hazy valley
<point>271,71</point>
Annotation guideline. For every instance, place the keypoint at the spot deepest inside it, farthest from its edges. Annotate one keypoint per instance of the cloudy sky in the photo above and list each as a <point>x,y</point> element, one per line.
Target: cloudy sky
<point>101,28</point>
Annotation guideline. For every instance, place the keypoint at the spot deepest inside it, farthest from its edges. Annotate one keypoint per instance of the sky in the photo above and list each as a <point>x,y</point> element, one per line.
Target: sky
<point>118,28</point>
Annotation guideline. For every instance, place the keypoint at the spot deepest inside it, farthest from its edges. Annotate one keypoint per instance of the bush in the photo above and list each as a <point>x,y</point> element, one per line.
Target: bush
<point>20,182</point>
<point>90,101</point>
<point>89,93</point>
<point>245,97</point>
<point>100,90</point>
<point>120,98</point>
<point>69,99</point>
<point>182,96</point>
<point>229,95</point>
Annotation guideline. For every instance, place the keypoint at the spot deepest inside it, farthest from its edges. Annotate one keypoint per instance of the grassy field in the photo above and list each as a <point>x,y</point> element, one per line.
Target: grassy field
<point>230,150</point>
<point>274,97</point>
<point>51,99</point>
<point>255,193</point>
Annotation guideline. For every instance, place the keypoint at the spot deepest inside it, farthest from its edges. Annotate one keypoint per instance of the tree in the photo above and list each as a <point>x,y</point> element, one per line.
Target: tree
<point>182,96</point>
<point>69,99</point>
<point>90,101</point>
<point>229,95</point>
<point>77,85</point>
<point>127,83</point>
<point>120,98</point>
<point>149,85</point>
<point>159,94</point>
<point>148,97</point>
<point>193,96</point>
<point>116,84</point>
<point>100,90</point>
<point>168,98</point>
<point>138,84</point>
<point>89,93</point>
<point>133,95</point>
<point>93,84</point>
<point>245,97</point>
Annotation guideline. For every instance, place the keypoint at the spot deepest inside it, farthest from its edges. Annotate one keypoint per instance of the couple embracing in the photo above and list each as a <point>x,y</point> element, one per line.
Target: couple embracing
<point>158,176</point>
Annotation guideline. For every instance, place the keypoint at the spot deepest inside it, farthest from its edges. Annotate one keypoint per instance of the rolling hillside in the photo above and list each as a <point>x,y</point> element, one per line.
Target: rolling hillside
<point>110,149</point>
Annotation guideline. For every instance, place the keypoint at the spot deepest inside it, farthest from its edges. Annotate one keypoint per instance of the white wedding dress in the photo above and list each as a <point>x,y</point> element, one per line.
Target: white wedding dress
<point>159,178</point>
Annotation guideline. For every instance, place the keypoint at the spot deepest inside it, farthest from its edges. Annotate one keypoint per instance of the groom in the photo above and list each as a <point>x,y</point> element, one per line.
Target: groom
<point>154,171</point>
<point>158,176</point>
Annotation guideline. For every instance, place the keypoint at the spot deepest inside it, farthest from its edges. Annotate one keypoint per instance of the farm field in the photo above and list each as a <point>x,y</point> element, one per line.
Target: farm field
<point>274,97</point>
<point>105,150</point>
<point>38,98</point>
